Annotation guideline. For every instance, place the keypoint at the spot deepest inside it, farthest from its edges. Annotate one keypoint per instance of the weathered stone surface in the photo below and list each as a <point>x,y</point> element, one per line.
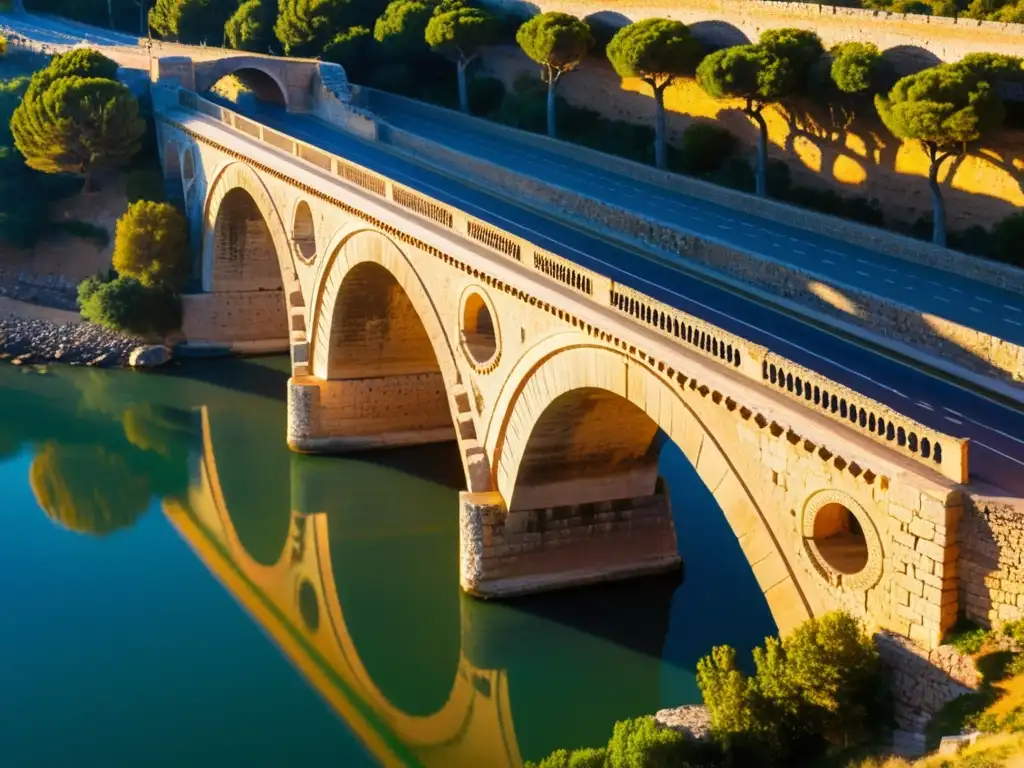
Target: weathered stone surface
<point>149,356</point>
<point>694,720</point>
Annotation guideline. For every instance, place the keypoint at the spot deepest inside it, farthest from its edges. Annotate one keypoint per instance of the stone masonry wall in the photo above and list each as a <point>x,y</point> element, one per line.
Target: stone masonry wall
<point>384,404</point>
<point>992,559</point>
<point>235,317</point>
<point>954,342</point>
<point>571,544</point>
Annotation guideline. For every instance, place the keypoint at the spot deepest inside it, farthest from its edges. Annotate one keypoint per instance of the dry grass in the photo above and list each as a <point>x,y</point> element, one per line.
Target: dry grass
<point>1001,750</point>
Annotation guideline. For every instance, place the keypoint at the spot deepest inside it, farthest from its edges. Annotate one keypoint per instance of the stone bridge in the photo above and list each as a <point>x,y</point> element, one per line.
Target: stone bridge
<point>410,322</point>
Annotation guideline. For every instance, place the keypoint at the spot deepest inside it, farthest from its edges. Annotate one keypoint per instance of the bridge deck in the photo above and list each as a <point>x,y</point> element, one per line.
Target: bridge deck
<point>970,302</point>
<point>994,430</point>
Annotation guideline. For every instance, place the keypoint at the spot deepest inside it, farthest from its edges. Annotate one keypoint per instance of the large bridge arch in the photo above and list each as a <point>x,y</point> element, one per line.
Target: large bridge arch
<point>241,220</point>
<point>594,391</point>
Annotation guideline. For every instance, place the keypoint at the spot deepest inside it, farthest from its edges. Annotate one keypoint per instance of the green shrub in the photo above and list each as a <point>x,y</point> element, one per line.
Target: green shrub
<point>124,304</point>
<point>822,684</point>
<point>577,758</point>
<point>1007,241</point>
<point>642,743</point>
<point>485,95</point>
<point>704,149</point>
<point>145,184</point>
<point>967,637</point>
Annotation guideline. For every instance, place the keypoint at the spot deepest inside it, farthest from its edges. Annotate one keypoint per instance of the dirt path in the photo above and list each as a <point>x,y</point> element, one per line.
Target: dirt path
<point>34,311</point>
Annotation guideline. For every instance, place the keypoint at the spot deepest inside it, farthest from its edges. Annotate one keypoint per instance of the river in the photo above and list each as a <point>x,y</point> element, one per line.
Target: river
<point>181,589</point>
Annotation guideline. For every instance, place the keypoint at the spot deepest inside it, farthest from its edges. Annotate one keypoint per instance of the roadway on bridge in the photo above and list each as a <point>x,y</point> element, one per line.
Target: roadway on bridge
<point>968,302</point>
<point>996,431</point>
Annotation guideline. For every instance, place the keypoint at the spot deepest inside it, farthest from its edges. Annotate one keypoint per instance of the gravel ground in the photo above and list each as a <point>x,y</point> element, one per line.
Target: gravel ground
<point>27,340</point>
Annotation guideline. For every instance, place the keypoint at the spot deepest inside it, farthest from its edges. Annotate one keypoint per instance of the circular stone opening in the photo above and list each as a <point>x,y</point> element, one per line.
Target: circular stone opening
<point>839,539</point>
<point>478,336</point>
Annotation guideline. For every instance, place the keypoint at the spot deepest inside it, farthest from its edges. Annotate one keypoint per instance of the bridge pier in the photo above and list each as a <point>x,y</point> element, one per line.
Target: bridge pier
<point>342,415</point>
<point>505,553</point>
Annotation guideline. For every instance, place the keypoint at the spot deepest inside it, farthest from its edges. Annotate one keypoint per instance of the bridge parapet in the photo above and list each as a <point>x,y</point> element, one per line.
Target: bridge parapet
<point>938,451</point>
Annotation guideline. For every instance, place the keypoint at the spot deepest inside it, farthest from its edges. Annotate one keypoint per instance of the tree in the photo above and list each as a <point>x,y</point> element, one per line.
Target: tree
<point>251,26</point>
<point>304,27</point>
<point>461,33</point>
<point>779,66</point>
<point>859,68</point>
<point>401,28</point>
<point>657,51</point>
<point>558,42</point>
<point>191,21</point>
<point>79,62</point>
<point>822,684</point>
<point>354,50</point>
<point>78,125</point>
<point>945,108</point>
<point>151,245</point>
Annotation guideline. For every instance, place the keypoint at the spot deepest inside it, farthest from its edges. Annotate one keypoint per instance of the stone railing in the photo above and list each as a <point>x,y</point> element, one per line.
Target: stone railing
<point>873,238</point>
<point>946,454</point>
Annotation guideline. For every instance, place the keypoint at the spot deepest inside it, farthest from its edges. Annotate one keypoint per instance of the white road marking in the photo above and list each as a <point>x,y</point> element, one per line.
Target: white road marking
<point>941,298</point>
<point>827,261</point>
<point>890,282</point>
<point>834,253</point>
<point>975,309</point>
<point>925,405</point>
<point>863,274</point>
<point>802,253</point>
<point>955,421</point>
<point>1012,308</point>
<point>1011,322</point>
<point>990,448</point>
<point>955,290</point>
<point>983,300</point>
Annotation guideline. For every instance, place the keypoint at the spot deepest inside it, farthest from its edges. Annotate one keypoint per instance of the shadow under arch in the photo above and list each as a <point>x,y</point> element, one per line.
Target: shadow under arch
<point>718,34</point>
<point>633,392</point>
<point>909,59</point>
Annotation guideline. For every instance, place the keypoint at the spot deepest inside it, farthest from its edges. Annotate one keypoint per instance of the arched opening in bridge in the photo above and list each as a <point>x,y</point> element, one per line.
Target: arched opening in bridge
<point>839,539</point>
<point>244,255</point>
<point>248,86</point>
<point>377,332</point>
<point>589,445</point>
<point>479,338</point>
<point>303,232</point>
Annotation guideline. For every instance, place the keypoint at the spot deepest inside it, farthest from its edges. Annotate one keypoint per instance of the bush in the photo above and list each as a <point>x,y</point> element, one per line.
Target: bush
<point>1007,240</point>
<point>637,743</point>
<point>704,149</point>
<point>485,95</point>
<point>125,304</point>
<point>145,184</point>
<point>967,637</point>
<point>151,245</point>
<point>823,683</point>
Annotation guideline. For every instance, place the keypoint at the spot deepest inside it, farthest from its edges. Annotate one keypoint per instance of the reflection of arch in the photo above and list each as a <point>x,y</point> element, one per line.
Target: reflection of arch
<point>558,368</point>
<point>474,726</point>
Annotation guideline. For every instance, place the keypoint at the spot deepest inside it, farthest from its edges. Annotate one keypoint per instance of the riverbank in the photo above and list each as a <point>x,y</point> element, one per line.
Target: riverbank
<point>30,333</point>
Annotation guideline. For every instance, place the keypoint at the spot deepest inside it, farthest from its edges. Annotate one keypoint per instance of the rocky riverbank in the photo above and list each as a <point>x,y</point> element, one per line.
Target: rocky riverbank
<point>25,340</point>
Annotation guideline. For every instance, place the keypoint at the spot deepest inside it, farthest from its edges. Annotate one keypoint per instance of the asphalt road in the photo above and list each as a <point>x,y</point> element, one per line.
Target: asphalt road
<point>996,431</point>
<point>968,302</point>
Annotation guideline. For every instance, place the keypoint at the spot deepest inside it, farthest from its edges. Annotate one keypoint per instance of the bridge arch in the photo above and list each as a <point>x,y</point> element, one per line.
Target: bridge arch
<point>571,404</point>
<point>353,254</point>
<point>245,243</point>
<point>254,72</point>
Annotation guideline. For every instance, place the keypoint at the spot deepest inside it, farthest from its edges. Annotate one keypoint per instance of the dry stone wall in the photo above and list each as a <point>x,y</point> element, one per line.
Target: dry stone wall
<point>992,559</point>
<point>235,317</point>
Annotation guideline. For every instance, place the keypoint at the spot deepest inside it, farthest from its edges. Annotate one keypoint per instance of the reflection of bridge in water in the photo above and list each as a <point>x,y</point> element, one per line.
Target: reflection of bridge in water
<point>296,601</point>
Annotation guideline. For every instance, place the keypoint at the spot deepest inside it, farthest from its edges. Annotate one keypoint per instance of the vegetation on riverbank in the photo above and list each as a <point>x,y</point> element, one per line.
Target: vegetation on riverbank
<point>819,690</point>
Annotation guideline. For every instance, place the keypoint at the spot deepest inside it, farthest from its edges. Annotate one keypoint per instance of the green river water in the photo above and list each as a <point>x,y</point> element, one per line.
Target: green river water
<point>180,589</point>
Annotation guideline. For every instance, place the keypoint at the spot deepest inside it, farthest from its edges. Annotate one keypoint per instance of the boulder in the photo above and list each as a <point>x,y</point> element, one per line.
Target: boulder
<point>149,356</point>
<point>694,720</point>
